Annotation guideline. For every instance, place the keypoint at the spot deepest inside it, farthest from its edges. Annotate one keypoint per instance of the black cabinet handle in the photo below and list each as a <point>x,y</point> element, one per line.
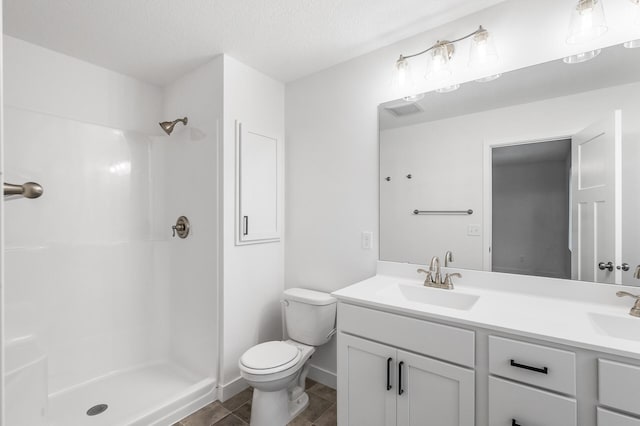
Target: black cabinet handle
<point>389,373</point>
<point>543,370</point>
<point>400,390</point>
<point>246,225</point>
<point>514,423</point>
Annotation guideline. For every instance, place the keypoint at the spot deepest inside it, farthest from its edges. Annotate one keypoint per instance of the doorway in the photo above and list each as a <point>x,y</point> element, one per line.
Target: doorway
<point>531,220</point>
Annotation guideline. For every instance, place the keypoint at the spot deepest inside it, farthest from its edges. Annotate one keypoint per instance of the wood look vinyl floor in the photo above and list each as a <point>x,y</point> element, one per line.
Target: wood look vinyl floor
<point>237,410</point>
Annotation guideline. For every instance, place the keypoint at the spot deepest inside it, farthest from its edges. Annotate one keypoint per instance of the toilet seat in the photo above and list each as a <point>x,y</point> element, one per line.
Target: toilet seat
<point>270,358</point>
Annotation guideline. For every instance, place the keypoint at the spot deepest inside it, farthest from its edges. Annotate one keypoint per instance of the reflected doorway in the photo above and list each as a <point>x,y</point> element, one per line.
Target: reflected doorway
<point>531,206</point>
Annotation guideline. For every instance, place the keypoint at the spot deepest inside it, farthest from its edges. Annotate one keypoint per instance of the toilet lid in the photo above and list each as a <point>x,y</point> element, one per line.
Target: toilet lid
<point>270,356</point>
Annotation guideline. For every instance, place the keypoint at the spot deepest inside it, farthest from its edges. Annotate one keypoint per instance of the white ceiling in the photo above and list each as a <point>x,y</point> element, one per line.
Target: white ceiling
<point>159,40</point>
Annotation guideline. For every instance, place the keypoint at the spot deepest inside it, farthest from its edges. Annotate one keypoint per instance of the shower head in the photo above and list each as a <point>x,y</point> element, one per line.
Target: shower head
<point>168,126</point>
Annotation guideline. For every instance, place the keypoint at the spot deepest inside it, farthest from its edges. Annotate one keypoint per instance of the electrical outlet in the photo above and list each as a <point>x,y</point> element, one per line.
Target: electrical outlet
<point>367,240</point>
<point>474,230</point>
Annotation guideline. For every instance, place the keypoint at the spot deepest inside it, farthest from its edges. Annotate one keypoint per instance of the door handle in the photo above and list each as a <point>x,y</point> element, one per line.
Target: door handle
<point>389,373</point>
<point>624,267</point>
<point>245,231</point>
<point>602,266</point>
<point>400,390</point>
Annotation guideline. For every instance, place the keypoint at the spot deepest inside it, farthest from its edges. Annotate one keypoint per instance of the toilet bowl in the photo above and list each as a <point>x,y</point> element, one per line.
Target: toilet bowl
<point>277,370</point>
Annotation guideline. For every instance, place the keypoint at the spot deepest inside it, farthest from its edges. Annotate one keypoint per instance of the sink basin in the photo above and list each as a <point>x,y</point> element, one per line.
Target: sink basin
<point>614,326</point>
<point>408,293</point>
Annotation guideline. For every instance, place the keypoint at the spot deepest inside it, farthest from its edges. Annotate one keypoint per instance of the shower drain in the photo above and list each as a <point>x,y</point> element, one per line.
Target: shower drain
<point>97,409</point>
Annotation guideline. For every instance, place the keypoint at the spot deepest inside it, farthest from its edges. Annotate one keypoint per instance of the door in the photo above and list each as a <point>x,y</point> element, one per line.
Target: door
<point>434,393</point>
<point>596,201</point>
<point>366,387</point>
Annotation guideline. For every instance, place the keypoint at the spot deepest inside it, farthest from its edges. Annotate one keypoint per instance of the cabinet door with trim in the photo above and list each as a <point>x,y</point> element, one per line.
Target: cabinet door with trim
<point>257,186</point>
<point>366,382</point>
<point>434,393</point>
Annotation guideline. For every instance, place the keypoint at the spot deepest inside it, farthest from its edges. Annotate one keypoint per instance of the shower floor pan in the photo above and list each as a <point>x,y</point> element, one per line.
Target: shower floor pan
<point>158,394</point>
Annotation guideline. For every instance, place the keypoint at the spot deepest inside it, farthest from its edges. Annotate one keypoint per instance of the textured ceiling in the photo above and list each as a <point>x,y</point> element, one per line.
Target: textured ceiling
<point>159,40</point>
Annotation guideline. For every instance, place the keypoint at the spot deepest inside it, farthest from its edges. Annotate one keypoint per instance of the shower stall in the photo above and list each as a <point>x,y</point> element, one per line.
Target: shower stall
<point>109,317</point>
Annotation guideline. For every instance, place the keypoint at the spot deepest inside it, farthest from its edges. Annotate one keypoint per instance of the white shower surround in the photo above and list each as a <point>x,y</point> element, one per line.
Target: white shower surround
<point>91,269</point>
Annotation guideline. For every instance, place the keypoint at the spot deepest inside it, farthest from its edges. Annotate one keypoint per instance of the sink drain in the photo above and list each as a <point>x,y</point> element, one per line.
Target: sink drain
<point>97,409</point>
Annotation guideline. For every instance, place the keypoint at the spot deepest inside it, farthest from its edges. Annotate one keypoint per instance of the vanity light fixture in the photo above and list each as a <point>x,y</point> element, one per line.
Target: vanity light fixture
<point>587,21</point>
<point>483,54</point>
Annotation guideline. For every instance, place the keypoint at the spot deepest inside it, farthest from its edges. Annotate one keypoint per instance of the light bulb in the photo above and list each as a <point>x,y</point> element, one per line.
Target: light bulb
<point>439,66</point>
<point>587,21</point>
<point>402,77</point>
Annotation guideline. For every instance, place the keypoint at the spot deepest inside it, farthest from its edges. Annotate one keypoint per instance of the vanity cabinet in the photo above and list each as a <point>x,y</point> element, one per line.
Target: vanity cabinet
<point>386,384</point>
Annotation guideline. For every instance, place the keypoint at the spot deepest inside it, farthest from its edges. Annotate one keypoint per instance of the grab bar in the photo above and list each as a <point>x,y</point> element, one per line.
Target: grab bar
<point>443,211</point>
<point>27,190</point>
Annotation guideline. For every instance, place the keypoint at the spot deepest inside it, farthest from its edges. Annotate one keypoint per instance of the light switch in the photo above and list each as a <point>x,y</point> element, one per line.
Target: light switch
<point>367,240</point>
<point>473,230</point>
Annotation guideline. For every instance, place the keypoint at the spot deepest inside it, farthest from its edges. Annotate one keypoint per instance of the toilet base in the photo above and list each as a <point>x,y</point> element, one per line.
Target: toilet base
<point>274,408</point>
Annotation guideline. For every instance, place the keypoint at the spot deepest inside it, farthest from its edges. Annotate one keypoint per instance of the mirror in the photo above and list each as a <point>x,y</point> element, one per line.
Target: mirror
<point>534,173</point>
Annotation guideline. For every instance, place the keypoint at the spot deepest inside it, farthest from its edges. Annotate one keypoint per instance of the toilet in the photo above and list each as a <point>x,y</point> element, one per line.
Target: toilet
<point>277,370</point>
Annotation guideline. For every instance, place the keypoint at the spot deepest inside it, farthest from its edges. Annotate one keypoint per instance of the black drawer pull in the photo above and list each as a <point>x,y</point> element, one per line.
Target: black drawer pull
<point>514,423</point>
<point>400,390</point>
<point>543,370</point>
<point>389,373</point>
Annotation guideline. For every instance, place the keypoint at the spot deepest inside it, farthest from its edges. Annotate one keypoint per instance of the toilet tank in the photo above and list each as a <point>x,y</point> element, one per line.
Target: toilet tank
<point>310,316</point>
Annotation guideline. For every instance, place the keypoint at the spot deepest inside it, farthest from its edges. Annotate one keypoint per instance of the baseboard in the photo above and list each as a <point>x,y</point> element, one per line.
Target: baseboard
<point>323,376</point>
<point>231,389</point>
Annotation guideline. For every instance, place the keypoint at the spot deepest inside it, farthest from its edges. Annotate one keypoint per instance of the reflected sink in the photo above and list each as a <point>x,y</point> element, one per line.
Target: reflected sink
<point>614,326</point>
<point>406,293</point>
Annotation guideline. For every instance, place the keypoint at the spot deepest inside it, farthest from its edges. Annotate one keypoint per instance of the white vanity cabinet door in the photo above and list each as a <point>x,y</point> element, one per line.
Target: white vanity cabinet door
<point>618,385</point>
<point>515,404</point>
<point>609,418</point>
<point>363,398</point>
<point>434,392</point>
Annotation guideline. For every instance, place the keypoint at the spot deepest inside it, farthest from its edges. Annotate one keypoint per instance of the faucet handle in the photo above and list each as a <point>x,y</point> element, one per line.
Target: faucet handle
<point>635,310</point>
<point>625,293</point>
<point>428,279</point>
<point>448,282</point>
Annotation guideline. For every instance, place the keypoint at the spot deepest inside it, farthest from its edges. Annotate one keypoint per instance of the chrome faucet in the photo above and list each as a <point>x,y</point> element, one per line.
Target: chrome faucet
<point>448,258</point>
<point>434,267</point>
<point>434,278</point>
<point>635,310</point>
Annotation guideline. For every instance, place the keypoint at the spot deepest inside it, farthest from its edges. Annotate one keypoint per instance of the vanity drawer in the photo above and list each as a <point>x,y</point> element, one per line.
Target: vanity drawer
<point>447,343</point>
<point>541,366</point>
<point>618,385</point>
<point>609,418</point>
<point>515,404</point>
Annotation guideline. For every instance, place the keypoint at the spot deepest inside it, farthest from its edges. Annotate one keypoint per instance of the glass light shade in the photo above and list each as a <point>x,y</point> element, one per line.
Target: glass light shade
<point>489,78</point>
<point>587,21</point>
<point>413,98</point>
<point>448,89</point>
<point>581,57</point>
<point>402,74</point>
<point>483,52</point>
<point>438,65</point>
<point>632,44</point>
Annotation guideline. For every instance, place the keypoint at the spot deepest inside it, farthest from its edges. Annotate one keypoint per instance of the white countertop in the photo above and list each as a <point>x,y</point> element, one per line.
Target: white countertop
<point>555,310</point>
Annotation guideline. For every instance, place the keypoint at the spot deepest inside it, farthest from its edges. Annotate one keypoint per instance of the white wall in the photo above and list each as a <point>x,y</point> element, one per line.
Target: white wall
<point>253,274</point>
<point>332,147</point>
<point>79,260</point>
<point>189,159</point>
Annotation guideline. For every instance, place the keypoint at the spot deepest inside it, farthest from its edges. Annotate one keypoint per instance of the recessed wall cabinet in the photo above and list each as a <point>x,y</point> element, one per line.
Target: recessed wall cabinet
<point>257,189</point>
<point>401,370</point>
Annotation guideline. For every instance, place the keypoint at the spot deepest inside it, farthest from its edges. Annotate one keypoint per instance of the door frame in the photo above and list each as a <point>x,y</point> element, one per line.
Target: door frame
<point>487,182</point>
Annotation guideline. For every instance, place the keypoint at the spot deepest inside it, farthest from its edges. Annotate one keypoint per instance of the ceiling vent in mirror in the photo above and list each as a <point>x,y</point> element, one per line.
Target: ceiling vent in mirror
<point>404,109</point>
